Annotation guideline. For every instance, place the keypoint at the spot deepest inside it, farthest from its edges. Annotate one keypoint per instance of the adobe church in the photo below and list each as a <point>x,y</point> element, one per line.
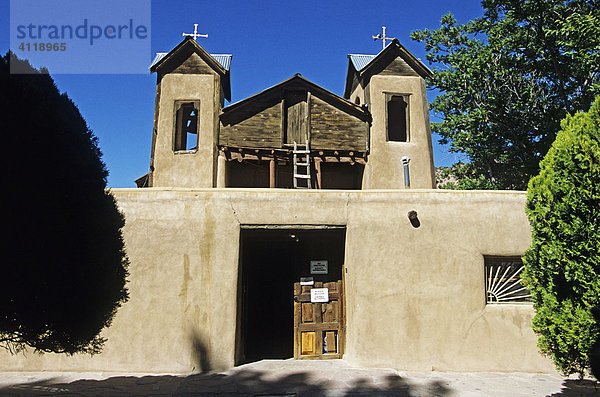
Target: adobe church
<point>301,224</point>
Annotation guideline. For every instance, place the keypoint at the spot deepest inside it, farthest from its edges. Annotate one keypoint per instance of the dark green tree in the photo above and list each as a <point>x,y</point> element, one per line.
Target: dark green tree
<point>63,264</point>
<point>562,266</point>
<point>507,79</point>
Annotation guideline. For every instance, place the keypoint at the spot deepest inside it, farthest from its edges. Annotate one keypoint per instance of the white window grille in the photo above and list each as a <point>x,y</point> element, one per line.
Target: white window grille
<point>503,281</point>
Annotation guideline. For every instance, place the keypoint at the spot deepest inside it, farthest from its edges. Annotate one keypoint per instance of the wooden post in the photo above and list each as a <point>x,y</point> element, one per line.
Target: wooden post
<point>318,169</point>
<point>272,179</point>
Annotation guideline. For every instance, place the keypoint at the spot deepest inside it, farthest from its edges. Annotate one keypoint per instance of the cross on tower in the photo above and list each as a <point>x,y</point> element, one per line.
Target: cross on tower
<point>195,35</point>
<point>382,37</point>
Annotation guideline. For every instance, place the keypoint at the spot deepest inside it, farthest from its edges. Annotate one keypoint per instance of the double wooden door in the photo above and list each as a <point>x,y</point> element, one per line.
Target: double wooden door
<point>319,326</point>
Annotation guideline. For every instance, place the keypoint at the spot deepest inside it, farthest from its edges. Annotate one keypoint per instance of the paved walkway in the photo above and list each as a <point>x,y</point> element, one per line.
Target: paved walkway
<point>294,378</point>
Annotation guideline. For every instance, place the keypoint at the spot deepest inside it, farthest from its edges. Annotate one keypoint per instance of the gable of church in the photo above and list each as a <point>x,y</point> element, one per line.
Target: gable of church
<point>294,111</point>
<point>190,58</point>
<point>394,60</point>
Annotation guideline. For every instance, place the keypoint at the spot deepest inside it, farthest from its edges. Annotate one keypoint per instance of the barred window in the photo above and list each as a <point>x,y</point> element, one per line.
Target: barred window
<point>503,281</point>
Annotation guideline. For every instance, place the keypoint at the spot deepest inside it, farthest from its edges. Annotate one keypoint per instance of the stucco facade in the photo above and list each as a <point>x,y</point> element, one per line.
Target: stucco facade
<point>413,289</point>
<point>378,172</point>
<point>197,167</point>
<point>415,295</point>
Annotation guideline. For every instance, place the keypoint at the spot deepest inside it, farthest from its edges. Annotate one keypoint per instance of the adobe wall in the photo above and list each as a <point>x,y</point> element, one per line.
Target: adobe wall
<point>415,296</point>
<point>194,168</point>
<point>384,170</point>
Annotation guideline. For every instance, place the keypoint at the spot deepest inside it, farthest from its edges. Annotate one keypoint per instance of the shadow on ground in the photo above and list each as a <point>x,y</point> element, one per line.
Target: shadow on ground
<point>576,388</point>
<point>239,383</point>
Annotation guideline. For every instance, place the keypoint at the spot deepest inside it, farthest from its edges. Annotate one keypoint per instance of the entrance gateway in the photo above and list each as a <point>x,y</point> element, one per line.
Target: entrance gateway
<point>291,293</point>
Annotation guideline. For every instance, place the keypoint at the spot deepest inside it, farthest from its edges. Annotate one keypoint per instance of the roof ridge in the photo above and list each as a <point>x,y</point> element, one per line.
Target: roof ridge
<point>160,55</point>
<point>325,91</point>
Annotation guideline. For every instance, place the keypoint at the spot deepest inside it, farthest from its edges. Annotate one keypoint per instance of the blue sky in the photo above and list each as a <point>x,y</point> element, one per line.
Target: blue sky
<point>270,41</point>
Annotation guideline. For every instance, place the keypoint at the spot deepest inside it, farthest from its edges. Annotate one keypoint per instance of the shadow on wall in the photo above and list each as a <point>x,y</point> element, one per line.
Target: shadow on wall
<point>200,359</point>
<point>236,382</point>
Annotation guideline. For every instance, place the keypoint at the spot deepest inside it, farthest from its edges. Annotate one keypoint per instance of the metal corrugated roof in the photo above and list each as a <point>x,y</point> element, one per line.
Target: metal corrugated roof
<point>157,58</point>
<point>223,59</point>
<point>360,61</point>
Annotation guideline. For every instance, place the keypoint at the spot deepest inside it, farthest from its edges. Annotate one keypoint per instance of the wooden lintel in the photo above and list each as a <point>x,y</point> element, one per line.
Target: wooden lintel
<point>342,159</point>
<point>283,159</point>
<point>284,155</point>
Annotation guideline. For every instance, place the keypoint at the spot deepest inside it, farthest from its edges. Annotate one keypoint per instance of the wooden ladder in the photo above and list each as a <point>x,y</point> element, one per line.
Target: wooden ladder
<point>300,152</point>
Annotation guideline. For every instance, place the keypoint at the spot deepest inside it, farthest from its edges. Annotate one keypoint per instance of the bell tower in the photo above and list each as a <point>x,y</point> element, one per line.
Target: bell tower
<point>191,87</point>
<point>391,85</point>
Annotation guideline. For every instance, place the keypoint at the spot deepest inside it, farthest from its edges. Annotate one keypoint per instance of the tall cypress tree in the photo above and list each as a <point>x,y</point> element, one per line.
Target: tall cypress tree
<point>562,266</point>
<point>63,265</point>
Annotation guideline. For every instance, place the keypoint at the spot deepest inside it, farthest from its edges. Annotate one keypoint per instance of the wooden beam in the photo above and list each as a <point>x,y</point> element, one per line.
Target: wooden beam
<point>327,159</point>
<point>258,154</point>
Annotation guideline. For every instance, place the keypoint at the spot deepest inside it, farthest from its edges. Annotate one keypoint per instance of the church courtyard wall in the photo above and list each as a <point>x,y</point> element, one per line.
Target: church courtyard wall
<point>415,296</point>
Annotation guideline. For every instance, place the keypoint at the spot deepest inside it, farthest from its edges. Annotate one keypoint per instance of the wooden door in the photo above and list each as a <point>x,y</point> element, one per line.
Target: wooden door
<point>318,327</point>
<point>296,126</point>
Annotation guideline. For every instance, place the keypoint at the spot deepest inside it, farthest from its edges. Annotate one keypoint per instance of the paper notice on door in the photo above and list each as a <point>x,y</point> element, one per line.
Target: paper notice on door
<point>319,295</point>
